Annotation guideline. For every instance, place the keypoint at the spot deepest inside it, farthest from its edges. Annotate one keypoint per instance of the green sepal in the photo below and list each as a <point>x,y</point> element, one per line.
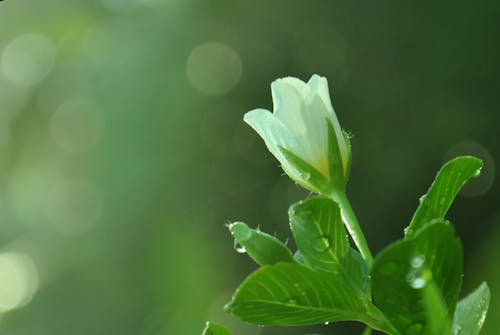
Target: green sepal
<point>335,165</point>
<point>263,248</point>
<point>311,178</point>
<point>347,172</point>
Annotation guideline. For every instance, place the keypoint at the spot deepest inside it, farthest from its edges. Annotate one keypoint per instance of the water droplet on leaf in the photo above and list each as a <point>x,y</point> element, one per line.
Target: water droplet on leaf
<point>417,262</point>
<point>305,175</point>
<point>418,283</point>
<point>239,248</point>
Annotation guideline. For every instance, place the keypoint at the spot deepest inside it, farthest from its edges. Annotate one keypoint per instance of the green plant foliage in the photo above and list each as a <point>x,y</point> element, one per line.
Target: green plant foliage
<point>213,328</point>
<point>410,288</point>
<point>402,269</point>
<point>449,180</point>
<point>471,312</point>
<point>322,239</point>
<point>288,294</point>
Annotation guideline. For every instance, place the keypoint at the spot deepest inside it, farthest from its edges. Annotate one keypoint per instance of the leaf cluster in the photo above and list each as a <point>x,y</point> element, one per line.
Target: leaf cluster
<point>412,287</point>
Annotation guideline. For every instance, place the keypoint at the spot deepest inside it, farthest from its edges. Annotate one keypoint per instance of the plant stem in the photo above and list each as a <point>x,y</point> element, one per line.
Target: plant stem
<point>352,225</point>
<point>367,331</point>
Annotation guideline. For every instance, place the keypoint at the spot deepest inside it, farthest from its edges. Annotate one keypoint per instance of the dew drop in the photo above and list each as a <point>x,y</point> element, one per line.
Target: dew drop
<point>418,283</point>
<point>291,301</point>
<point>442,200</point>
<point>414,329</point>
<point>239,248</point>
<point>327,323</point>
<point>305,176</point>
<point>322,244</point>
<point>417,262</point>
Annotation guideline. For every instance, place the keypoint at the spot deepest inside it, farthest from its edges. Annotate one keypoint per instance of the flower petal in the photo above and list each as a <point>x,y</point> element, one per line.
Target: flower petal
<point>287,103</point>
<point>301,108</point>
<point>275,134</point>
<point>315,117</point>
<point>319,85</point>
<point>298,84</point>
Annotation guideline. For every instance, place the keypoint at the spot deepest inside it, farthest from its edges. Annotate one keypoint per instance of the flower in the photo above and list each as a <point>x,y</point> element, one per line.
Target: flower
<point>304,134</point>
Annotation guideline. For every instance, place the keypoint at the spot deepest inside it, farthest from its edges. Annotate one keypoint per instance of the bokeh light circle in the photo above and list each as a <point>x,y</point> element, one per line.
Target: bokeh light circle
<point>18,278</point>
<point>214,68</point>
<point>74,206</point>
<point>77,125</point>
<point>28,59</point>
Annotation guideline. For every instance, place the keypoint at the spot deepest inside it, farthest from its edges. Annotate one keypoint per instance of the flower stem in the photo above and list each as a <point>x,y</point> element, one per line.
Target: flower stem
<point>352,225</point>
<point>367,331</point>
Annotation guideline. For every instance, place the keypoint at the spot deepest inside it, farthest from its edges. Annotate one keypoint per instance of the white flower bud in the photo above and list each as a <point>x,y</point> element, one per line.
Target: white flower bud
<point>304,134</point>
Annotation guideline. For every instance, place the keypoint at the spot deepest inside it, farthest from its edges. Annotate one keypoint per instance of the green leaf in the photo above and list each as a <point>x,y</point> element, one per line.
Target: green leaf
<point>322,239</point>
<point>448,182</point>
<point>213,328</point>
<point>264,249</point>
<point>438,320</point>
<point>471,312</point>
<point>398,275</point>
<point>290,294</point>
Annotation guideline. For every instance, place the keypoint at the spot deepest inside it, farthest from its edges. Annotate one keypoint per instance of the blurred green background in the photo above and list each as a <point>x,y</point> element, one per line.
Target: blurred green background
<point>123,152</point>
